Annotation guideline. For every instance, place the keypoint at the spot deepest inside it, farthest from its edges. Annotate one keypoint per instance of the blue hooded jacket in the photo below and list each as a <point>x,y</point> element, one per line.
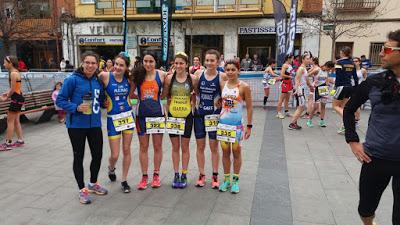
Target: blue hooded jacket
<point>71,96</point>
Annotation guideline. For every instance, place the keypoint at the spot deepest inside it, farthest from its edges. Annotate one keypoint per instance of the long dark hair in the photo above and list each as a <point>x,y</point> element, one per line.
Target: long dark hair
<point>183,56</point>
<point>139,72</point>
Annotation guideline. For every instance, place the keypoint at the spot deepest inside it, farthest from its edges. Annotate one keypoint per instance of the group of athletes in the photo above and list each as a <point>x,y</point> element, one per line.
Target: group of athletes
<point>154,103</point>
<point>312,85</point>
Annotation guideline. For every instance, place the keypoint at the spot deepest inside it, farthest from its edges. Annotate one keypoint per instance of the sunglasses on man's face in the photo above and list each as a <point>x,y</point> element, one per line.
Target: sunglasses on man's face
<point>389,50</point>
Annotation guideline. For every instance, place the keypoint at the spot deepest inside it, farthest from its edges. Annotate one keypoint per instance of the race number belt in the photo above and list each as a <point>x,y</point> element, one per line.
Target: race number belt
<point>155,125</point>
<point>211,122</point>
<point>323,90</point>
<point>123,121</point>
<point>176,125</point>
<point>226,133</point>
<point>271,81</point>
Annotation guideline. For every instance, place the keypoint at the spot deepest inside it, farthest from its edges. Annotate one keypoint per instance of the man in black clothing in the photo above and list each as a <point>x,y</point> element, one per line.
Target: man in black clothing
<point>380,153</point>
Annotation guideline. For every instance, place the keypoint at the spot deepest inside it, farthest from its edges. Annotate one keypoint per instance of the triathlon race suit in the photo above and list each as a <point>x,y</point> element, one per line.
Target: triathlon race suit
<point>209,95</point>
<point>299,96</point>
<point>149,105</point>
<point>232,112</point>
<point>180,106</point>
<point>118,102</point>
<point>320,83</point>
<point>17,99</point>
<point>266,78</point>
<point>345,70</point>
<point>287,84</point>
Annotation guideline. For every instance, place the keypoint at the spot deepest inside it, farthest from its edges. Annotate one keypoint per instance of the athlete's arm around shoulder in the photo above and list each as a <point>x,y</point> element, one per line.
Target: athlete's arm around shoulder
<point>223,77</point>
<point>104,77</point>
<point>246,93</point>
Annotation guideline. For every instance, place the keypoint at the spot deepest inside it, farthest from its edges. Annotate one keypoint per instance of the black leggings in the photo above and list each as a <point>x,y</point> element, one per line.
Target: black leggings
<point>374,178</point>
<point>78,137</point>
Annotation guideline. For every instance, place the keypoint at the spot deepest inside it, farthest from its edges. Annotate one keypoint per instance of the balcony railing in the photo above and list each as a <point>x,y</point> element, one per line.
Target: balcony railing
<point>114,7</point>
<point>355,5</point>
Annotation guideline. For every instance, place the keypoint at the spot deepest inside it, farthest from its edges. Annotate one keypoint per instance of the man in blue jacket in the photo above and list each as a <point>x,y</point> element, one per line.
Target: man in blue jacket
<point>80,97</point>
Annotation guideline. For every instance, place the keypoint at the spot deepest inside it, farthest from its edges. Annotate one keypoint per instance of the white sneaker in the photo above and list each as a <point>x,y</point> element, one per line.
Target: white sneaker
<point>280,115</point>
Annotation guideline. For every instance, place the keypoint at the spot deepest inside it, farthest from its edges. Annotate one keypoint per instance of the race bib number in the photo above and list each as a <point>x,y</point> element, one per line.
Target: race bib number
<point>155,125</point>
<point>211,122</point>
<point>123,121</point>
<point>323,90</point>
<point>271,81</point>
<point>226,133</point>
<point>176,125</point>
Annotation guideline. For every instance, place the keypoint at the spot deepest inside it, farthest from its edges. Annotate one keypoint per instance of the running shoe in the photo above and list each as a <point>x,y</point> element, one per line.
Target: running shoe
<point>183,181</point>
<point>201,181</point>
<point>294,126</point>
<point>176,183</point>
<point>84,197</point>
<point>280,115</point>
<point>97,189</point>
<point>288,114</point>
<point>17,144</point>
<point>5,147</point>
<point>214,182</point>
<point>235,187</point>
<point>224,186</point>
<point>111,174</point>
<point>142,184</point>
<point>125,187</point>
<point>341,130</point>
<point>310,123</point>
<point>322,123</point>
<point>156,183</point>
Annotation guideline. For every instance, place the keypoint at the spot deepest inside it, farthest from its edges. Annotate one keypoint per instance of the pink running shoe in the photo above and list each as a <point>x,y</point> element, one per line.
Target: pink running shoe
<point>18,144</point>
<point>214,182</point>
<point>5,147</point>
<point>156,183</point>
<point>201,181</point>
<point>143,183</point>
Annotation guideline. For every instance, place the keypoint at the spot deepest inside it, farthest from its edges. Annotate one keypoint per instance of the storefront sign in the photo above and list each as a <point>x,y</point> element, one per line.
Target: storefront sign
<point>100,40</point>
<point>152,40</point>
<point>262,30</point>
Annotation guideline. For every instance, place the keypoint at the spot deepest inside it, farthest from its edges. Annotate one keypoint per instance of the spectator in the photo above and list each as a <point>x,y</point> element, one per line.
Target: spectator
<point>53,64</point>
<point>109,66</point>
<point>68,66</point>
<point>138,61</point>
<point>366,63</point>
<point>22,66</point>
<point>222,61</point>
<point>256,63</point>
<point>60,111</point>
<point>102,63</point>
<point>246,63</point>
<point>62,65</point>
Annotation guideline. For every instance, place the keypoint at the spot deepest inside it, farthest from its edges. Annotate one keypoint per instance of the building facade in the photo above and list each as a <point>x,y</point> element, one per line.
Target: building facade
<point>233,27</point>
<point>370,22</point>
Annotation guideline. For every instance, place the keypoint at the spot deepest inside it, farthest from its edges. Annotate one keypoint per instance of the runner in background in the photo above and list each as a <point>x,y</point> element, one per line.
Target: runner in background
<point>286,86</point>
<point>196,65</point>
<point>17,101</point>
<point>234,94</point>
<point>269,79</point>
<point>312,106</point>
<point>361,75</point>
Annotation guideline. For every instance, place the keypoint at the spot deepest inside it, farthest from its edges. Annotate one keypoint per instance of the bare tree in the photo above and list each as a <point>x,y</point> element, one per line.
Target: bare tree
<point>20,20</point>
<point>335,22</point>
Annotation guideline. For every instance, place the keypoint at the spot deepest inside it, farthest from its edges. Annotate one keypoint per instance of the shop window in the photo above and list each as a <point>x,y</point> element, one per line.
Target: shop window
<point>374,50</point>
